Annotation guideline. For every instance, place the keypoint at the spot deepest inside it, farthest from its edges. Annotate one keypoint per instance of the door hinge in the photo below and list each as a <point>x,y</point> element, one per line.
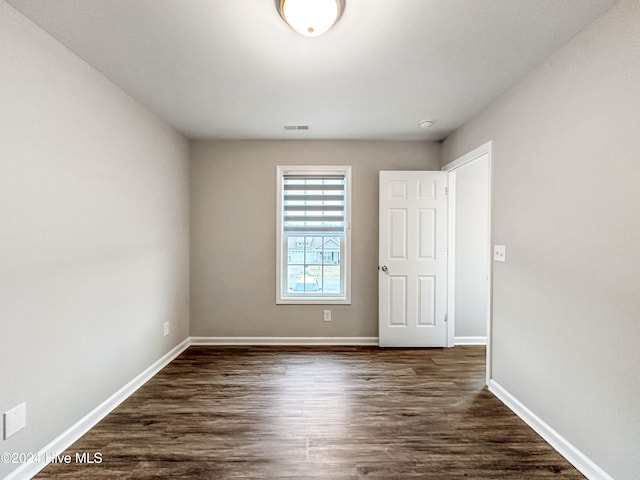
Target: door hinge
<point>446,191</point>
<point>446,317</point>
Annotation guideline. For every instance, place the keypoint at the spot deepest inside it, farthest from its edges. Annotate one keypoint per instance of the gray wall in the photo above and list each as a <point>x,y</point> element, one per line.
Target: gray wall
<point>472,247</point>
<point>93,236</point>
<point>233,235</point>
<point>566,312</point>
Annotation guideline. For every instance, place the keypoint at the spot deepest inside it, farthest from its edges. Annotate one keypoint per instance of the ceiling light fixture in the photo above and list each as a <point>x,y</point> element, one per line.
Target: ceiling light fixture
<point>310,18</point>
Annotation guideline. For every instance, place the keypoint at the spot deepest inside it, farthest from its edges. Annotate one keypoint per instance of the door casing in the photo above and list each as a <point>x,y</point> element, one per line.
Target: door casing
<point>482,150</point>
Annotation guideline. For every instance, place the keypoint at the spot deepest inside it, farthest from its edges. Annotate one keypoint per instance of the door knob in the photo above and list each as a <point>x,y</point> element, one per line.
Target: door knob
<point>384,268</point>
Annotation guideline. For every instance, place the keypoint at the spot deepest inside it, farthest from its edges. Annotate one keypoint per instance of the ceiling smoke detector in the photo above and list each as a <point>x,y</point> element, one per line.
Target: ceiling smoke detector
<point>425,123</point>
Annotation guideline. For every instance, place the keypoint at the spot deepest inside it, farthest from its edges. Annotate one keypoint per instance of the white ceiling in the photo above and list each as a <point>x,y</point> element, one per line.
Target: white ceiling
<point>234,69</point>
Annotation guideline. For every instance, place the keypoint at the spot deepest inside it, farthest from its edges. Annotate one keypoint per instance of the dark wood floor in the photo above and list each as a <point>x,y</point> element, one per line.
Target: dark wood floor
<point>316,412</point>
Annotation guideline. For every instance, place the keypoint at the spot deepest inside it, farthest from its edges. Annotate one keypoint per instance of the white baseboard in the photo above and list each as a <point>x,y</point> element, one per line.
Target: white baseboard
<point>82,426</point>
<point>574,456</point>
<point>470,340</point>
<point>288,341</point>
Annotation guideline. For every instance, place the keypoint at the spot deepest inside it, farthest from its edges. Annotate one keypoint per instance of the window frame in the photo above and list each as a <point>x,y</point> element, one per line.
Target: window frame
<point>281,263</point>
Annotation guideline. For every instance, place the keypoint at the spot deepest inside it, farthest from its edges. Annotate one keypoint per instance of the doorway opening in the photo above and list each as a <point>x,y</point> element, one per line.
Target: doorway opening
<point>469,247</point>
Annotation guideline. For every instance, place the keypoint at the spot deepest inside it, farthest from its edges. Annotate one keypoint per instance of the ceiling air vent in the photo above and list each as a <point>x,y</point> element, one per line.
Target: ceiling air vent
<point>296,127</point>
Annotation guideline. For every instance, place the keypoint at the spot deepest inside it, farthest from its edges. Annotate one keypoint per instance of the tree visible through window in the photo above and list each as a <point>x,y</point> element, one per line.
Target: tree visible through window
<point>314,233</point>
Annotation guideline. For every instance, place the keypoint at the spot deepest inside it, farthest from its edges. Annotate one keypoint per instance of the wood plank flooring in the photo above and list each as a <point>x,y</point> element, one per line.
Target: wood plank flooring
<point>316,412</point>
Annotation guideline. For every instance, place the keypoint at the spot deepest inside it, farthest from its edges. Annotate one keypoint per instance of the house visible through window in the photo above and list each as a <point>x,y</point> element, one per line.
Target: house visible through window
<point>313,234</point>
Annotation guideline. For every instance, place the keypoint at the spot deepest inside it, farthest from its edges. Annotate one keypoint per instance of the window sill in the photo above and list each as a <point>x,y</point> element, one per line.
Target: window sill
<point>313,301</point>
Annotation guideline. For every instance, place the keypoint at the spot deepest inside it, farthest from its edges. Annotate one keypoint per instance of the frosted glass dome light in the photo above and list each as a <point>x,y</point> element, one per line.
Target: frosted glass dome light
<point>311,18</point>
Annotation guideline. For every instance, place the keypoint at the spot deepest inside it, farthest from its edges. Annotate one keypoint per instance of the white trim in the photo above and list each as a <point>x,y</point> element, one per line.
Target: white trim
<point>470,340</point>
<point>584,464</point>
<point>289,341</point>
<point>489,362</point>
<point>451,260</point>
<point>86,423</point>
<point>314,301</point>
<point>468,157</point>
<point>484,149</point>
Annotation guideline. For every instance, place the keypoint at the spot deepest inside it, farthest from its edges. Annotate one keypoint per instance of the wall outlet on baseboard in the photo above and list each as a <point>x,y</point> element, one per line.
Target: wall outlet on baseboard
<point>166,328</point>
<point>327,316</point>
<point>15,420</point>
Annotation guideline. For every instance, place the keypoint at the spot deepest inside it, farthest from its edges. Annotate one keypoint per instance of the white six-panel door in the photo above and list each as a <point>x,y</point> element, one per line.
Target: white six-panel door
<point>412,259</point>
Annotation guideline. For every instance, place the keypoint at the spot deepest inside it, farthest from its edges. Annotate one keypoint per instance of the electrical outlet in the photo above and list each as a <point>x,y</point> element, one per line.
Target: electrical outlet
<point>15,420</point>
<point>166,328</point>
<point>327,316</point>
<point>499,253</point>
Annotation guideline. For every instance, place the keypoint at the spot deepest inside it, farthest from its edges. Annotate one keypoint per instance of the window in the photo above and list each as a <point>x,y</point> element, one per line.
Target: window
<point>314,234</point>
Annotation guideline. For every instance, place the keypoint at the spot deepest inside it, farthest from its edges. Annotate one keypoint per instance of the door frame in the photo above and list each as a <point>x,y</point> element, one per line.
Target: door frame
<point>482,150</point>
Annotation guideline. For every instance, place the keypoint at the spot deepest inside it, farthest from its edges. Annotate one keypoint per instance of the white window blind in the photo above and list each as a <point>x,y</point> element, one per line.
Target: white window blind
<point>314,205</point>
<point>313,245</point>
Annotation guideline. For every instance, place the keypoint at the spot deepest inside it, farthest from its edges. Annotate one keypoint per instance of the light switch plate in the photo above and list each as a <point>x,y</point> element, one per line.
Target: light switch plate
<point>500,253</point>
<point>15,420</point>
